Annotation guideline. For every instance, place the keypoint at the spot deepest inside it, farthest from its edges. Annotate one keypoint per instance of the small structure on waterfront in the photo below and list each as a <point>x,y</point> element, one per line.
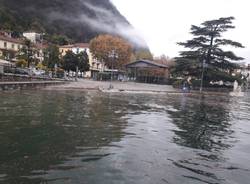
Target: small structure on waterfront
<point>147,71</point>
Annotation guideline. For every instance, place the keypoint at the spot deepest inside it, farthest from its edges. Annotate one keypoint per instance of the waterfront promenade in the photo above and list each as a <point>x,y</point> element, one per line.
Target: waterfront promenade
<point>103,86</point>
<point>127,87</point>
<point>85,84</point>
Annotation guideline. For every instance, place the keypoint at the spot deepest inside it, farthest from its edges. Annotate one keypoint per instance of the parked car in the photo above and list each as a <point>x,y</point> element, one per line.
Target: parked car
<point>22,71</point>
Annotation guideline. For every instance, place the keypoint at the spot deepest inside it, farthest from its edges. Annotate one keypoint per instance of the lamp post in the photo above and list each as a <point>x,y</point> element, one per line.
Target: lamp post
<point>55,67</point>
<point>77,71</point>
<point>202,74</point>
<point>113,56</point>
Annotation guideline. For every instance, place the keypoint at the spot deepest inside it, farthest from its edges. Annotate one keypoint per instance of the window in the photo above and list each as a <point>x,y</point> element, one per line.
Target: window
<point>5,44</point>
<point>77,50</point>
<point>13,46</point>
<point>18,46</point>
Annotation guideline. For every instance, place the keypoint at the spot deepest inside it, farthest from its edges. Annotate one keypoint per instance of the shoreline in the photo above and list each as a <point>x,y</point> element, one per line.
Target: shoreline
<point>127,87</point>
<point>20,85</point>
<point>103,86</point>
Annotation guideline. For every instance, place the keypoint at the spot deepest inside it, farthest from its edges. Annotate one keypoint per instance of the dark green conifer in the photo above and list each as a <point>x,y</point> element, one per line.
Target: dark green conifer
<point>207,48</point>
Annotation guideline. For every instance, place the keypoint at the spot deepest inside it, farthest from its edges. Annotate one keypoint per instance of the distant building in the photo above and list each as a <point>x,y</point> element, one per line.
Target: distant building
<point>95,66</point>
<point>64,49</point>
<point>6,34</point>
<point>33,37</point>
<point>243,69</point>
<point>9,46</point>
<point>248,72</point>
<point>148,71</point>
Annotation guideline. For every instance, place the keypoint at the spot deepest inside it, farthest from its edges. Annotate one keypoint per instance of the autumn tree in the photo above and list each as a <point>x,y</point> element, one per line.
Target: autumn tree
<point>112,50</point>
<point>143,54</point>
<point>205,54</point>
<point>165,60</point>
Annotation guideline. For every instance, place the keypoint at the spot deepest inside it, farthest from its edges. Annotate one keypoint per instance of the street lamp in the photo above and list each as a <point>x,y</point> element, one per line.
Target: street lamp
<point>204,65</point>
<point>113,56</point>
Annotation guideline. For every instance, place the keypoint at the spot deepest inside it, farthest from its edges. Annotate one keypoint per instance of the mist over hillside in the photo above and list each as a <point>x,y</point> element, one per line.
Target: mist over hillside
<point>80,20</point>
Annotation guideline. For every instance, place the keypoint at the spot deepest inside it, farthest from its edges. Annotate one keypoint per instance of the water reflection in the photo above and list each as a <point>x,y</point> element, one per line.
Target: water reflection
<point>90,137</point>
<point>42,134</point>
<point>203,124</point>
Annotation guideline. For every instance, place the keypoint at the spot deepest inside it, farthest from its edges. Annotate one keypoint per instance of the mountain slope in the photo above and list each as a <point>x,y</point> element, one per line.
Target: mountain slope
<point>80,20</point>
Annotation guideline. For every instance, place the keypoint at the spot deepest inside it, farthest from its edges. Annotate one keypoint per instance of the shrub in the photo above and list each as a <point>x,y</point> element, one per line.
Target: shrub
<point>22,63</point>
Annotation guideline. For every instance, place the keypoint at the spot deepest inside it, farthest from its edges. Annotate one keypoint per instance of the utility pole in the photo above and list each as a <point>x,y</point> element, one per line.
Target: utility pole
<point>202,75</point>
<point>77,71</point>
<point>112,56</point>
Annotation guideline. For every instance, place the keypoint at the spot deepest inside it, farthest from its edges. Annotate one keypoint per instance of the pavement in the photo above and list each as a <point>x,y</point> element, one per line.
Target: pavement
<point>85,84</point>
<point>13,85</point>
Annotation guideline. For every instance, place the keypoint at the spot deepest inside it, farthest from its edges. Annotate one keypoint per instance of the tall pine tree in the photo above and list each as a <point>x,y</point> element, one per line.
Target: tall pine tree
<point>207,49</point>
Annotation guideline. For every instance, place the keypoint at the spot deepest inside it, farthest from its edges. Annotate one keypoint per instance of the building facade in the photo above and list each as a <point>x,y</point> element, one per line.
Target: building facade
<point>95,65</point>
<point>33,37</point>
<point>9,47</point>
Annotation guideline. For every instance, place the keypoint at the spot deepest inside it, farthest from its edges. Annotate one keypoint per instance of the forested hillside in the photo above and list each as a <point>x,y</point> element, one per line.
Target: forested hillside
<point>79,20</point>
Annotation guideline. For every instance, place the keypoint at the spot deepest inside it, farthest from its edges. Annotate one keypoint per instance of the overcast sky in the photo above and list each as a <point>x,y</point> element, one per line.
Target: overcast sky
<point>162,23</point>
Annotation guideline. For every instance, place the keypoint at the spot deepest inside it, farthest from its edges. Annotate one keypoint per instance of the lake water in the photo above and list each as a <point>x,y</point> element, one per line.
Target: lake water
<point>74,137</point>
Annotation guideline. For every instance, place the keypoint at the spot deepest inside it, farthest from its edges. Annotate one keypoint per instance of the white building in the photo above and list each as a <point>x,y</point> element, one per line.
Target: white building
<point>33,37</point>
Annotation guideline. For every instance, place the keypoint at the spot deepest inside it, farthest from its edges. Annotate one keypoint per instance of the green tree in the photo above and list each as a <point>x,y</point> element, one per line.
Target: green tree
<point>57,39</point>
<point>71,61</point>
<point>206,49</point>
<point>83,61</point>
<point>51,56</point>
<point>26,52</point>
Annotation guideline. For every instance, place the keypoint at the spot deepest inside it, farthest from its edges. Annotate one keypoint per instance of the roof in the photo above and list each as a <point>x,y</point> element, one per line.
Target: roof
<point>41,46</point>
<point>67,46</point>
<point>13,40</point>
<point>145,64</point>
<point>79,45</point>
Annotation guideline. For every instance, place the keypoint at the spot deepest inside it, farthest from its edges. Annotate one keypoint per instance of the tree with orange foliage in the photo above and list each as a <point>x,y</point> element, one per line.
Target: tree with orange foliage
<point>112,50</point>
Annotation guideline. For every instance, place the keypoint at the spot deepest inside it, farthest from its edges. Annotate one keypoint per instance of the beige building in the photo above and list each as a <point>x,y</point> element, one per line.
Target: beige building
<point>9,47</point>
<point>95,66</point>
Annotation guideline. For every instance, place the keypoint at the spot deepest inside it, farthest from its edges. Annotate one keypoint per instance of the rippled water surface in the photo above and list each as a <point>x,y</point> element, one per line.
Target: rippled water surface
<point>78,137</point>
